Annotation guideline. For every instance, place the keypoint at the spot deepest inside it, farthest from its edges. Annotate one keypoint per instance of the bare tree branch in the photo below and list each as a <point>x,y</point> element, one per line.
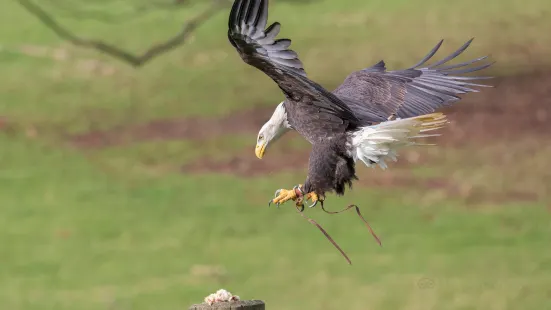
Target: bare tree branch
<point>70,11</point>
<point>117,52</point>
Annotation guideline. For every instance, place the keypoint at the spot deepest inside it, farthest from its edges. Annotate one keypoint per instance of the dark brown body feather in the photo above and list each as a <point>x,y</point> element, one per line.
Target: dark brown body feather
<point>332,171</point>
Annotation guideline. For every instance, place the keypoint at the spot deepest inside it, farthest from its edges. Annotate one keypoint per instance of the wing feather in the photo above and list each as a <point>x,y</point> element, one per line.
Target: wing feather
<point>452,55</point>
<point>314,111</point>
<point>429,55</point>
<point>416,90</point>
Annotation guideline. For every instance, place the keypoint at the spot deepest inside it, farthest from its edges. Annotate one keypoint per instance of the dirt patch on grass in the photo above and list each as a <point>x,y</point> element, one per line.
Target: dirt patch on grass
<point>195,129</point>
<point>3,123</point>
<point>518,107</point>
<point>245,164</point>
<point>280,158</point>
<point>398,176</point>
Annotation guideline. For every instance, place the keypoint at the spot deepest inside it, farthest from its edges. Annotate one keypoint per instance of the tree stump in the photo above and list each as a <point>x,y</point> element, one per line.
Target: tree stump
<point>231,305</point>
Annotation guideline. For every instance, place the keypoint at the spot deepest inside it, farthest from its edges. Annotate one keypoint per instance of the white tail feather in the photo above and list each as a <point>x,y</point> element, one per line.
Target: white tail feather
<point>380,142</point>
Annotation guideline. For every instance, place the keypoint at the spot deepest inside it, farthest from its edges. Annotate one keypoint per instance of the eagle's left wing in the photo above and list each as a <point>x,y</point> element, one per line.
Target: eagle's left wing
<point>413,91</point>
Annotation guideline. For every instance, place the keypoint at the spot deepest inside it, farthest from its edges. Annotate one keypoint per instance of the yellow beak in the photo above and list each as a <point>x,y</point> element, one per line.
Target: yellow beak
<point>259,150</point>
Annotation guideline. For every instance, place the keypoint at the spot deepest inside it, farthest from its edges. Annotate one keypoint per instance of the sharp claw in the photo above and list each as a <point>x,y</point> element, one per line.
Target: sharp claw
<point>277,192</point>
<point>270,202</point>
<point>300,205</point>
<point>314,204</point>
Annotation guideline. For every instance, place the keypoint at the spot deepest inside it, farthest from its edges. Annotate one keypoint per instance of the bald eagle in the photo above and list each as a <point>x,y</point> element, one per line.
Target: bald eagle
<point>368,117</point>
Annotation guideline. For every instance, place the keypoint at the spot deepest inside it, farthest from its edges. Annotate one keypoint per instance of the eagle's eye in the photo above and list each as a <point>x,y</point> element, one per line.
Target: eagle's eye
<point>261,137</point>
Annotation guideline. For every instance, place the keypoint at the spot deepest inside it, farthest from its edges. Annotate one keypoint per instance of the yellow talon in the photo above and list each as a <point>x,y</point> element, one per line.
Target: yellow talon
<point>312,196</point>
<point>295,194</point>
<point>283,195</point>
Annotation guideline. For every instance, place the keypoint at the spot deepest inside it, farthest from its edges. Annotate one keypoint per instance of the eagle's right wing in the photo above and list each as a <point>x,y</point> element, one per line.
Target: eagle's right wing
<point>256,44</point>
<point>411,92</point>
<point>314,112</point>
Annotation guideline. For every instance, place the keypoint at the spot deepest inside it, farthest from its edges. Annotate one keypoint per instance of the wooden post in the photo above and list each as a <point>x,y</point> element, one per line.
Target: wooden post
<point>231,305</point>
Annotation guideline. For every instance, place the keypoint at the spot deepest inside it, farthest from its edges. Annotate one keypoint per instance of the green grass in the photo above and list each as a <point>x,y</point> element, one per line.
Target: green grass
<point>84,238</point>
<point>123,228</point>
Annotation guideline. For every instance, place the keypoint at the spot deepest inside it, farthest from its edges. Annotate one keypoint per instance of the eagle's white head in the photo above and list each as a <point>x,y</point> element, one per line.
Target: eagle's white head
<point>272,130</point>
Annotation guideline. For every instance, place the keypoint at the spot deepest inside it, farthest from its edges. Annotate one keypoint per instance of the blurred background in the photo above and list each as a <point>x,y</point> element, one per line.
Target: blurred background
<point>128,178</point>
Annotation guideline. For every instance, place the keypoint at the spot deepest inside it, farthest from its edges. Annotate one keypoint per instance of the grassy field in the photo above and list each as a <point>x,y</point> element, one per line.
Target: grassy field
<point>125,226</point>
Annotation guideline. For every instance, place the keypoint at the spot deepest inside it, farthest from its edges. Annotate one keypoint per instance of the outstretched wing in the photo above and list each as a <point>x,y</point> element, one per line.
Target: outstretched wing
<point>411,92</point>
<point>313,111</point>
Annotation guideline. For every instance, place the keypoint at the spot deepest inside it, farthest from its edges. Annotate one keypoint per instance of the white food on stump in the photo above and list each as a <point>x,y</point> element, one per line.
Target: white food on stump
<point>221,296</point>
